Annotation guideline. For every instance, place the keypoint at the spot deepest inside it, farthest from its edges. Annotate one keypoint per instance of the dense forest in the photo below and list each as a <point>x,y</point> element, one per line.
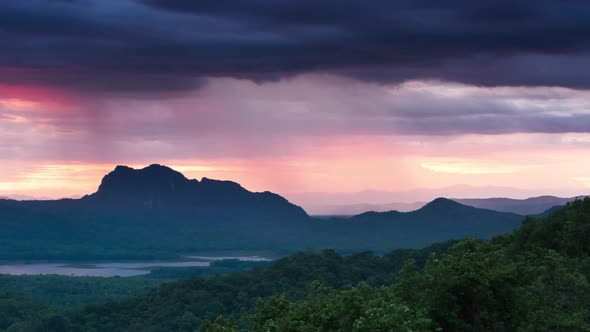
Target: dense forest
<point>533,279</point>
<point>70,291</point>
<point>191,301</point>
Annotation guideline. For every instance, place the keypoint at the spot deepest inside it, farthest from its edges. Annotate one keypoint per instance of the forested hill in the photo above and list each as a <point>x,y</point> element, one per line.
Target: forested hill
<point>440,220</point>
<point>534,279</point>
<point>185,305</point>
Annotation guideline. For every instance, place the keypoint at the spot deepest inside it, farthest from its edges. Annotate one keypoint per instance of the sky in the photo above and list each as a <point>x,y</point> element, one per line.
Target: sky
<point>469,98</point>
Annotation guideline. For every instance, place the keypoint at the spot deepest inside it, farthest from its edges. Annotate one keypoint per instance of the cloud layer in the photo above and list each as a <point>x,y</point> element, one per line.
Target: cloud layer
<point>175,45</point>
<point>296,95</point>
<point>240,119</point>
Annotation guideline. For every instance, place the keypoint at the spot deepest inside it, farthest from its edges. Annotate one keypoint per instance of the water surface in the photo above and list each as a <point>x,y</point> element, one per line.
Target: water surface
<point>117,268</point>
<point>240,258</point>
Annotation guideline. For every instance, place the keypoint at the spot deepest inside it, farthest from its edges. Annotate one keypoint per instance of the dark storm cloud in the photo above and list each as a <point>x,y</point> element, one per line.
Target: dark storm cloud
<point>171,45</point>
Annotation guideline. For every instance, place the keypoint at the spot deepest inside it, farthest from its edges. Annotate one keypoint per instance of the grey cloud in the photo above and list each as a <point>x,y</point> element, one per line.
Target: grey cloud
<point>150,45</point>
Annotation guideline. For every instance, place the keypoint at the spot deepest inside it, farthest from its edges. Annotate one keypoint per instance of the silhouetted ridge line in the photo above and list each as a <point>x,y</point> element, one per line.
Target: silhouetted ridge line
<point>153,211</point>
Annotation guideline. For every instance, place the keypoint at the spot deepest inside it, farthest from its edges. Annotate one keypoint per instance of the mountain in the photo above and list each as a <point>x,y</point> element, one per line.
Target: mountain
<point>529,206</point>
<point>161,190</point>
<point>324,203</point>
<point>440,220</point>
<point>156,212</point>
<point>148,213</point>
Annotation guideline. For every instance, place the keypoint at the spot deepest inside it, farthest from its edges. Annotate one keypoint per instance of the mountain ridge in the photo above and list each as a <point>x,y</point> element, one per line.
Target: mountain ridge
<point>156,211</point>
<point>158,187</point>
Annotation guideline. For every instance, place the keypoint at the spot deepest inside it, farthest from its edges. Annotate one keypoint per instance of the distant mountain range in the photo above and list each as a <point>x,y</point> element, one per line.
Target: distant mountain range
<point>347,204</point>
<point>157,212</point>
<point>353,209</point>
<point>529,206</point>
<point>23,197</point>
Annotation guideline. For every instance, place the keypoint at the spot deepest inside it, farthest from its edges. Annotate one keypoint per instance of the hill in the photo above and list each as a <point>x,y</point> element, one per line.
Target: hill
<point>182,305</point>
<point>440,220</point>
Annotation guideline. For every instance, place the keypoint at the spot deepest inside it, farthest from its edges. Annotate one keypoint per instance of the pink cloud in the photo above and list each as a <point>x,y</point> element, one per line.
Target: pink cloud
<point>311,133</point>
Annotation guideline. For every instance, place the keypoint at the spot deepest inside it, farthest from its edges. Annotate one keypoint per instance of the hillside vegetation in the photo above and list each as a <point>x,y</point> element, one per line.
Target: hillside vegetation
<point>534,279</point>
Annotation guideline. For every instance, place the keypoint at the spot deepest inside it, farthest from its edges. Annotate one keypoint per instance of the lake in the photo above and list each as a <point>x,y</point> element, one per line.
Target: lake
<point>112,269</point>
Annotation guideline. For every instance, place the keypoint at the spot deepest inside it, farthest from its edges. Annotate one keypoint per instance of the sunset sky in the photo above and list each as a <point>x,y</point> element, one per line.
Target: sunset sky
<point>297,96</point>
